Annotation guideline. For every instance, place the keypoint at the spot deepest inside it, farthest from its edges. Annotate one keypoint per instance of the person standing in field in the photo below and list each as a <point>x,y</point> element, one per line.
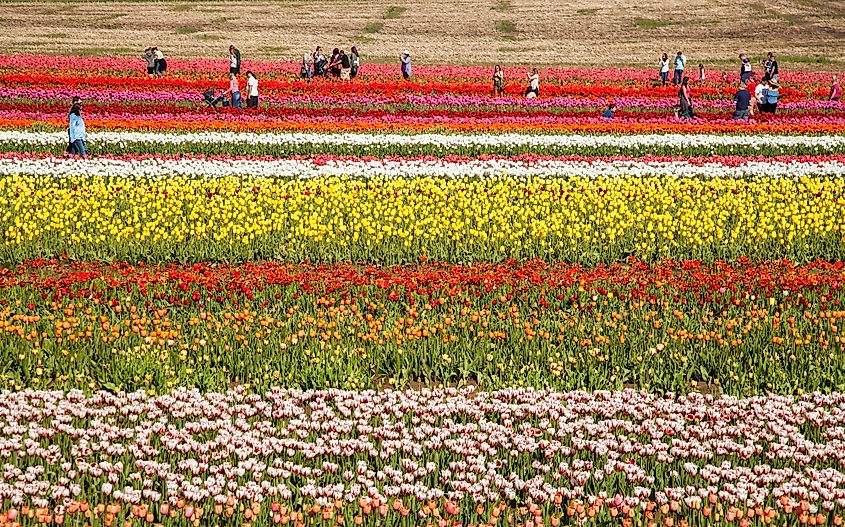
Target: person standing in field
<point>758,94</point>
<point>685,98</point>
<point>159,64</point>
<point>334,63</point>
<point>320,62</point>
<point>305,71</point>
<point>680,65</point>
<point>664,69</point>
<point>345,65</point>
<point>70,150</point>
<point>772,94</point>
<point>76,130</point>
<point>355,62</point>
<point>498,82</point>
<point>745,70</point>
<point>742,98</point>
<point>234,90</point>
<point>533,90</point>
<point>834,89</point>
<point>150,57</point>
<point>405,64</point>
<point>251,90</point>
<point>234,60</point>
<point>701,72</point>
<point>771,67</point>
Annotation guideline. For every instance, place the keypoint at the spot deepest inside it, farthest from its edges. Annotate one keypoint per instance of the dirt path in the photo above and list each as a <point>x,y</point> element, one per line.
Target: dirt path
<point>583,32</point>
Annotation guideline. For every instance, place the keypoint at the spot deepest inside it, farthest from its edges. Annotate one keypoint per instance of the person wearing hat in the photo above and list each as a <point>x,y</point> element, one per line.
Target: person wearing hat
<point>771,95</point>
<point>743,103</point>
<point>405,64</point>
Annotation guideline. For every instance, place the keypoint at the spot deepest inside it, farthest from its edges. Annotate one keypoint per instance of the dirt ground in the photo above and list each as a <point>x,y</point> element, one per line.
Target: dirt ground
<point>810,33</point>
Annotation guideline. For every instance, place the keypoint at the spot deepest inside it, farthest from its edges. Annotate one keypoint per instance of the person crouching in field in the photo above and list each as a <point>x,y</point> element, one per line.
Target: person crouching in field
<point>743,103</point>
<point>608,113</point>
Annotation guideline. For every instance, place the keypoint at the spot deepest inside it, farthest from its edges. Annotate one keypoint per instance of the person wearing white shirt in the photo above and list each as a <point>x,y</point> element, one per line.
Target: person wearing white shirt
<point>533,85</point>
<point>664,69</point>
<point>758,94</point>
<point>252,90</point>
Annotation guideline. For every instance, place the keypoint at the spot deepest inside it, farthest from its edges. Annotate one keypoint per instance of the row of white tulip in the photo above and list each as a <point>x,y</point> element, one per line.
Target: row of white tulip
<point>162,167</point>
<point>749,141</point>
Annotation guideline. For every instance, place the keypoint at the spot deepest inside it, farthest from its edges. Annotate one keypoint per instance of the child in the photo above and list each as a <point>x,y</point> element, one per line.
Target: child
<point>609,112</point>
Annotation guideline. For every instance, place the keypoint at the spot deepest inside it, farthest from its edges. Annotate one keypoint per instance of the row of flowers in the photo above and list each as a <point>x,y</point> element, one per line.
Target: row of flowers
<point>160,167</point>
<point>446,102</point>
<point>388,220</point>
<point>424,144</point>
<point>179,117</point>
<point>388,85</point>
<point>743,328</point>
<point>185,68</point>
<point>445,458</point>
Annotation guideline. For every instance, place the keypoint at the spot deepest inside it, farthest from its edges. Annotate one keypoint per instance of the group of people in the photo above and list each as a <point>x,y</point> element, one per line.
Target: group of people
<point>339,65</point>
<point>156,63</point>
<point>232,96</point>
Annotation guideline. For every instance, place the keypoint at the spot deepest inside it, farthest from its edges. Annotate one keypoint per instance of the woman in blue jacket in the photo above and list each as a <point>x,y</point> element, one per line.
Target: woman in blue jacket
<point>76,131</point>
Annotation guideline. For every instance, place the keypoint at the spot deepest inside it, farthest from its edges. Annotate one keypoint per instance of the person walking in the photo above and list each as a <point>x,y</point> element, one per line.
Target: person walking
<point>234,60</point>
<point>742,98</point>
<point>664,69</point>
<point>533,90</point>
<point>405,64</point>
<point>160,63</point>
<point>355,62</point>
<point>745,70</point>
<point>234,90</point>
<point>685,99</point>
<point>680,65</point>
<point>345,66</point>
<point>150,57</point>
<point>76,130</point>
<point>498,82</point>
<point>834,89</point>
<point>251,90</point>
<point>307,61</point>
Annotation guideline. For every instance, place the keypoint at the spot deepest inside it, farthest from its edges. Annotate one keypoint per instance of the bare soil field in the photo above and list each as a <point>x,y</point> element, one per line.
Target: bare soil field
<point>538,32</point>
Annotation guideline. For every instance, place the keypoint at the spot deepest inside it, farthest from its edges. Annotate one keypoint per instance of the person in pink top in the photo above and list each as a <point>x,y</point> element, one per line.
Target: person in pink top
<point>834,89</point>
<point>234,90</point>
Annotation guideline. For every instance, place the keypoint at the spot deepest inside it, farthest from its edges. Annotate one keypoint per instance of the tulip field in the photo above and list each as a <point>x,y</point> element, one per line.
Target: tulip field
<point>409,303</point>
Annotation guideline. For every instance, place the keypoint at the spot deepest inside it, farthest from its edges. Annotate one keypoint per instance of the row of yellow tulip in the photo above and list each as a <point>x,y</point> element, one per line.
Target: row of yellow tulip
<point>336,218</point>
